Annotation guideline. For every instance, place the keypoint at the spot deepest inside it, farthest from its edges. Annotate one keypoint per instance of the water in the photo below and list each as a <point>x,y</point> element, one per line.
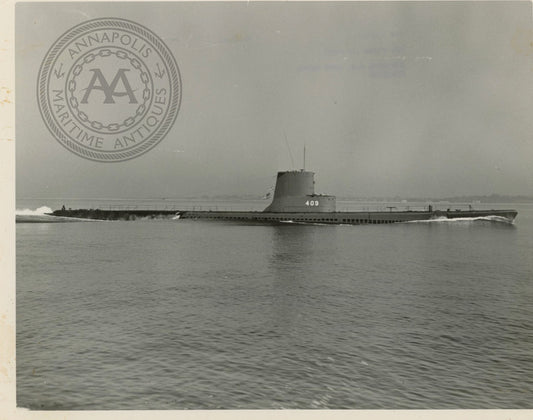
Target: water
<point>184,314</point>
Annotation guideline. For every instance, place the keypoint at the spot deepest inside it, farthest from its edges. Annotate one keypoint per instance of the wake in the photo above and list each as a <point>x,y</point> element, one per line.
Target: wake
<point>41,211</point>
<point>466,220</point>
<point>40,215</point>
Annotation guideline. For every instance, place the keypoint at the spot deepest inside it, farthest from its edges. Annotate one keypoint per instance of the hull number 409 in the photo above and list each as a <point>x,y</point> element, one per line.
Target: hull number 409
<point>311,203</point>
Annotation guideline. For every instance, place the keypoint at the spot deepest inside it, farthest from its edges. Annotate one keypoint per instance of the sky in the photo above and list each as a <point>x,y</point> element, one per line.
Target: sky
<point>390,99</point>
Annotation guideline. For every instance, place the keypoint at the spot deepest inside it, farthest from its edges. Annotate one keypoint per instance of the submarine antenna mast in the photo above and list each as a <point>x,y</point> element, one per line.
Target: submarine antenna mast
<point>304,157</point>
<point>288,147</point>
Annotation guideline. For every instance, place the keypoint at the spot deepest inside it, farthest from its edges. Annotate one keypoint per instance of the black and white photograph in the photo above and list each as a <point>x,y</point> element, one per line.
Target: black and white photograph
<point>273,206</point>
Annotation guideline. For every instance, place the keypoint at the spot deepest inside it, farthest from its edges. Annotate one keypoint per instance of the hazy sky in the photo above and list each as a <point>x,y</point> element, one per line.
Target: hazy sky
<point>411,99</point>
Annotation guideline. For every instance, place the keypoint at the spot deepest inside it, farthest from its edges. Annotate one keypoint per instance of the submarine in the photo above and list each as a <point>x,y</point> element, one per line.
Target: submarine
<point>294,201</point>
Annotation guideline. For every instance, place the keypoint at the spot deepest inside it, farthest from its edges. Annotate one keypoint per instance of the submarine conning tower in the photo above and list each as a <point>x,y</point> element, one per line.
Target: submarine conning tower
<point>295,192</point>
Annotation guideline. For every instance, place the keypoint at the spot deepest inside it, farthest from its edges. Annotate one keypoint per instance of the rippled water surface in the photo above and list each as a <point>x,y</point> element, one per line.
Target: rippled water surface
<point>183,314</point>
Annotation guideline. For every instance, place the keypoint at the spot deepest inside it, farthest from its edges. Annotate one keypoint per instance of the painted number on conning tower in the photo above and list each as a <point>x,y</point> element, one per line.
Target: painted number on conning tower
<point>311,203</point>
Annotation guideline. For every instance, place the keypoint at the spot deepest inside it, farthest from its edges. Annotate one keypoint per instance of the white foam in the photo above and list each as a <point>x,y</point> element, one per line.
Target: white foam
<point>443,219</point>
<point>37,212</point>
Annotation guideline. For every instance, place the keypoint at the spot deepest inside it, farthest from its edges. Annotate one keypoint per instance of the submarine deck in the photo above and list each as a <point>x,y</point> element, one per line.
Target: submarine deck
<point>354,218</point>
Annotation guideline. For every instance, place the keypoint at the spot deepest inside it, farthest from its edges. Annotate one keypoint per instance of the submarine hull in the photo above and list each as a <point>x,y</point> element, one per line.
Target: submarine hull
<point>352,218</point>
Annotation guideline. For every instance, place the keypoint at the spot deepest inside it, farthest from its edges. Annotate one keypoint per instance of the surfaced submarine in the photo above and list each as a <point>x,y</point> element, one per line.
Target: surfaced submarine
<point>294,201</point>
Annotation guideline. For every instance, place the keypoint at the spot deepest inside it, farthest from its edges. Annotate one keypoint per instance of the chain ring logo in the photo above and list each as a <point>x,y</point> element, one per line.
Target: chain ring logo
<point>109,90</point>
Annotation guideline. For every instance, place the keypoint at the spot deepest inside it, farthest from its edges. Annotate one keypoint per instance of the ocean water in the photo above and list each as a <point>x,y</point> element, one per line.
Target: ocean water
<point>184,314</point>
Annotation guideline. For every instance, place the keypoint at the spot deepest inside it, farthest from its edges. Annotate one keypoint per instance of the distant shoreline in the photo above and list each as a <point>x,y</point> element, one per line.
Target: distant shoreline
<point>476,199</point>
<point>469,199</point>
